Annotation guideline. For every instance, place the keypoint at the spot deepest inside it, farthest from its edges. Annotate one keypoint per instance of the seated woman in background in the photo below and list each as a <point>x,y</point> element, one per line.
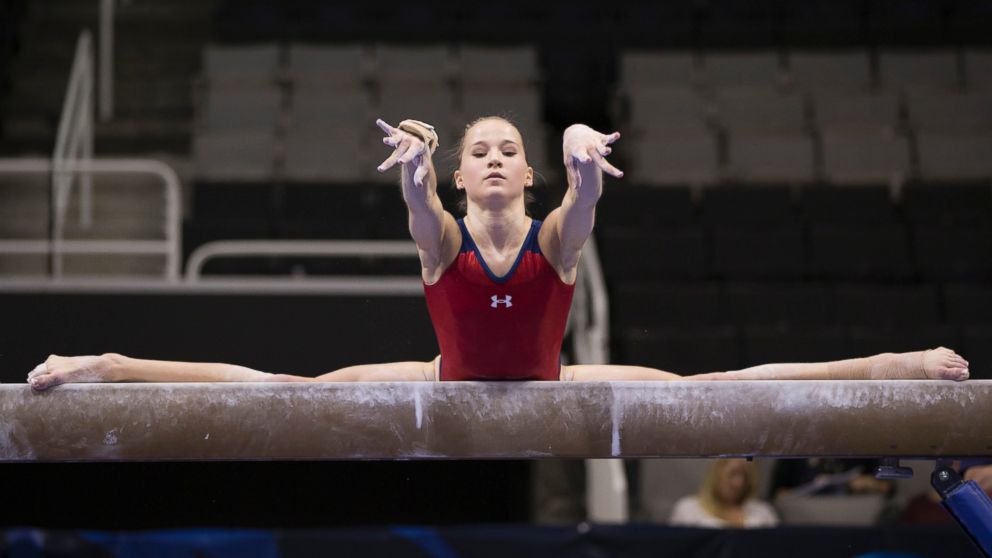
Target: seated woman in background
<point>726,499</point>
<point>498,283</point>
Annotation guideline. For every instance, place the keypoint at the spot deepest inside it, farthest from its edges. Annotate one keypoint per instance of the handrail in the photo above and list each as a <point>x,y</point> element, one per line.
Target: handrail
<point>57,246</point>
<point>329,248</point>
<point>74,141</point>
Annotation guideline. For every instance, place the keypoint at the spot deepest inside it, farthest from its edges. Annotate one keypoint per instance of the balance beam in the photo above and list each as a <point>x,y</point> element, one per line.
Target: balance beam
<point>507,420</point>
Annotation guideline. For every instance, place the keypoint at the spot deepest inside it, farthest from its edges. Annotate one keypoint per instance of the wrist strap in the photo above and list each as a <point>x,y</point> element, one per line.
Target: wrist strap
<point>422,130</point>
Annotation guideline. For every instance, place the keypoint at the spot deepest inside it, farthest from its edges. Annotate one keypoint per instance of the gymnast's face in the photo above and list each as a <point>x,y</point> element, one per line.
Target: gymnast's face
<point>492,165</point>
<point>732,482</point>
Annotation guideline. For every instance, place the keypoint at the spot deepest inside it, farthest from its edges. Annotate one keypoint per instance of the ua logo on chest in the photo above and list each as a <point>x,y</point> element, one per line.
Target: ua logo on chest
<point>505,301</point>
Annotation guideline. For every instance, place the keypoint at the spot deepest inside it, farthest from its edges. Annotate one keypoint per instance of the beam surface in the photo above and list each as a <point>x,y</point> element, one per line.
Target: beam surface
<point>508,420</point>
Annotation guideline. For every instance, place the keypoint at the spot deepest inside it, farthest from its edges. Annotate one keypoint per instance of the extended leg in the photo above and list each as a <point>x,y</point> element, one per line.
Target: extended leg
<point>940,363</point>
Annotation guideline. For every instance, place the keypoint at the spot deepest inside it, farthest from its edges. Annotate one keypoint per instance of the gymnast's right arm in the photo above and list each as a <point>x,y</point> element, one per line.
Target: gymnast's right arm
<point>112,367</point>
<point>433,229</point>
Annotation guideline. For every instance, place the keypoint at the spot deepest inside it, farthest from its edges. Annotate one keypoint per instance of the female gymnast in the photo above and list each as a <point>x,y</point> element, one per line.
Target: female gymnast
<point>498,284</point>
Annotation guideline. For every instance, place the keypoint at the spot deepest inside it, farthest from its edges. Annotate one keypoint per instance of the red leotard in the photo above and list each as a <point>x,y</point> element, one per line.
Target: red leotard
<point>499,328</point>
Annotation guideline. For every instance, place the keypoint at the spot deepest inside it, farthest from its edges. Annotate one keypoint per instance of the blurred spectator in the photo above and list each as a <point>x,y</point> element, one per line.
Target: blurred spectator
<point>726,499</point>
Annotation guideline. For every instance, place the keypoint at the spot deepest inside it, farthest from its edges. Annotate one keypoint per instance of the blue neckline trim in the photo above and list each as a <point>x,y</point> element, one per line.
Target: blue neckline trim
<point>529,245</point>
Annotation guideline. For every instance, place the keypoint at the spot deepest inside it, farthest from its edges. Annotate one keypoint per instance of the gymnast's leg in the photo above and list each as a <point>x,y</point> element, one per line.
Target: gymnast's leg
<point>935,364</point>
<point>113,367</point>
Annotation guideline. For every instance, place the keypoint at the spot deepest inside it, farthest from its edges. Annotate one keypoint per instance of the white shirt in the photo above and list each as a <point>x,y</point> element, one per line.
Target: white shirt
<point>688,512</point>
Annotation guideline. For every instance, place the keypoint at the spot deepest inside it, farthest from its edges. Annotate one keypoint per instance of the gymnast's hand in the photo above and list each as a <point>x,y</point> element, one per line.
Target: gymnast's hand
<point>582,146</point>
<point>61,370</point>
<point>409,150</point>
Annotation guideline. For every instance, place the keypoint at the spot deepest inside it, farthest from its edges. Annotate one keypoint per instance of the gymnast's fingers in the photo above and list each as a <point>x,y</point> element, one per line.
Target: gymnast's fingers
<point>386,128</point>
<point>605,165</point>
<point>414,148</point>
<point>420,174</point>
<point>391,160</point>
<point>581,155</point>
<point>611,138</point>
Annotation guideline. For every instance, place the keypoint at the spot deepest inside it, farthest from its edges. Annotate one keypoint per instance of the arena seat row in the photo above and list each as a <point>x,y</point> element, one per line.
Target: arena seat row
<point>307,112</point>
<point>890,69</point>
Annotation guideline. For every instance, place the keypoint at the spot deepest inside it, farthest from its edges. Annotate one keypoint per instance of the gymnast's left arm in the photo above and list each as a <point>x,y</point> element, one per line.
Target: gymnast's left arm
<point>584,151</point>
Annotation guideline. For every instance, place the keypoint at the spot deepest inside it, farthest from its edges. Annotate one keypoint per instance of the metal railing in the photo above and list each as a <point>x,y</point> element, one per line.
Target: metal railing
<point>74,140</point>
<point>57,246</point>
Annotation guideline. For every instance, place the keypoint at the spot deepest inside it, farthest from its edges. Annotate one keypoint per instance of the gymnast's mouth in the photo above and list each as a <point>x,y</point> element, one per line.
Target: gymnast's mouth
<point>495,175</point>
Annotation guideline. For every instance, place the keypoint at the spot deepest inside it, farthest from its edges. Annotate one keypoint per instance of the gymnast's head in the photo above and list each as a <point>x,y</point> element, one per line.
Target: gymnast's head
<point>492,165</point>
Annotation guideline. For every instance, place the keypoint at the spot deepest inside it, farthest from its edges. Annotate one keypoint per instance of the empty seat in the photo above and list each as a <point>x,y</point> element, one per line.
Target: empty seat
<point>234,108</point>
<point>234,156</point>
<point>859,157</point>
<point>639,207</point>
<point>241,63</point>
<point>432,103</point>
<point>751,206</point>
<point>755,109</point>
<point>329,155</point>
<point>955,252</point>
<point>954,156</point>
<point>671,109</point>
<point>783,157</point>
<point>754,68</point>
<point>885,305</point>
<point>683,350</point>
<point>645,304</point>
<point>776,304</point>
<point>521,105</point>
<point>948,204</point>
<point>317,109</point>
<point>825,71</point>
<point>478,65</point>
<point>950,113</point>
<point>855,205</point>
<point>860,252</point>
<point>856,111</point>
<point>978,69</point>
<point>660,158</point>
<point>901,70</point>
<point>771,252</point>
<point>648,69</point>
<point>661,253</point>
<point>408,64</point>
<point>328,66</point>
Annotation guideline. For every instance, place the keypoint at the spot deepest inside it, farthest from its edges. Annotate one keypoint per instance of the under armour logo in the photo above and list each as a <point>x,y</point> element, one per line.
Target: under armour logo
<point>497,301</point>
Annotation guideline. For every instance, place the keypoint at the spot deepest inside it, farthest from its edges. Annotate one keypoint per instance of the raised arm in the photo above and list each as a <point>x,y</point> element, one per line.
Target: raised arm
<point>433,229</point>
<point>568,227</point>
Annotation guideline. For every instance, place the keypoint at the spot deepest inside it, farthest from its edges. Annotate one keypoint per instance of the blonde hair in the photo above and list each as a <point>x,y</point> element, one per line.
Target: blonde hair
<point>707,491</point>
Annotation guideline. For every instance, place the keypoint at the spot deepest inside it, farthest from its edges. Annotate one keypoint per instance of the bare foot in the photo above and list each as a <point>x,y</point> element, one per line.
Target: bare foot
<point>60,370</point>
<point>933,364</point>
<point>944,364</point>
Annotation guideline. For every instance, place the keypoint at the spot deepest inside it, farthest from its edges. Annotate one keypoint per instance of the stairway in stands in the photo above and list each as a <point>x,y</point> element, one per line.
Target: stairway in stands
<point>157,54</point>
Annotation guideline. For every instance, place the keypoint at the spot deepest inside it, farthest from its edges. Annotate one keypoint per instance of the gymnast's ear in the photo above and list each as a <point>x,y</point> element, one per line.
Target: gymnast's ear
<point>529,179</point>
<point>459,180</point>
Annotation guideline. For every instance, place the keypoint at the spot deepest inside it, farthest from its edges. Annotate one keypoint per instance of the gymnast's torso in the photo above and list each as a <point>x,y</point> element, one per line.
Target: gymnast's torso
<point>506,327</point>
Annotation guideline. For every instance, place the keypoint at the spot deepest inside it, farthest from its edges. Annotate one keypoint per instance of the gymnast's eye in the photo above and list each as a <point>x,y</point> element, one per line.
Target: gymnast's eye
<point>509,153</point>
